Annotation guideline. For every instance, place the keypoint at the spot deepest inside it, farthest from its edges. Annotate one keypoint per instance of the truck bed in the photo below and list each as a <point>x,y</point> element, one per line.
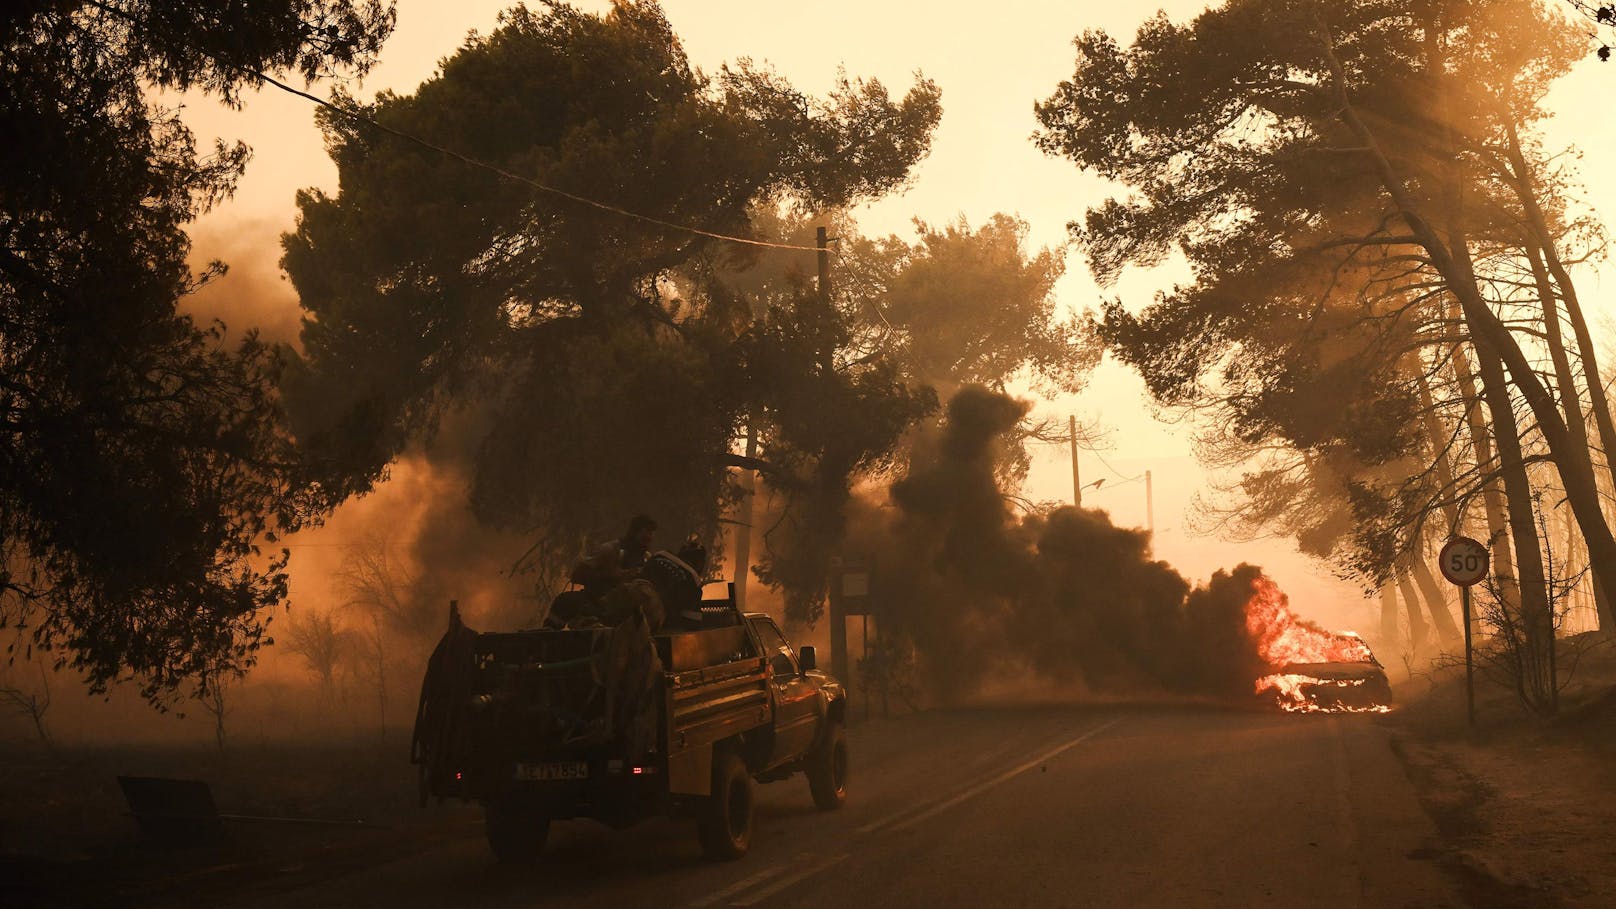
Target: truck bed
<point>492,701</point>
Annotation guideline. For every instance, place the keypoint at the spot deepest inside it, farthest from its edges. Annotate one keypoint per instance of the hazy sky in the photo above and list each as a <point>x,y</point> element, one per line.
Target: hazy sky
<point>993,61</point>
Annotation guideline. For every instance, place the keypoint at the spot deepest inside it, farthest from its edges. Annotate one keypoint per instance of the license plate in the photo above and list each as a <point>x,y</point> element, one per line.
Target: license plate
<point>553,770</point>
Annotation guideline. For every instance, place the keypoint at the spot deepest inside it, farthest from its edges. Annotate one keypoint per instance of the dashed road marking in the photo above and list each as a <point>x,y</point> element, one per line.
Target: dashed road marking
<point>758,896</point>
<point>738,886</point>
<point>768,882</point>
<point>911,816</point>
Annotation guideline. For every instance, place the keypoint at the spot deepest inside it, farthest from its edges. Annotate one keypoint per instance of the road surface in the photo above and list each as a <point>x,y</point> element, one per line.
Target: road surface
<point>1019,806</point>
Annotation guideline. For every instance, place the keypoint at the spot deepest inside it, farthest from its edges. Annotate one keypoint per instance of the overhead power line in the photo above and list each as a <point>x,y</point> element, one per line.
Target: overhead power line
<point>469,160</point>
<point>1120,476</point>
<point>527,181</point>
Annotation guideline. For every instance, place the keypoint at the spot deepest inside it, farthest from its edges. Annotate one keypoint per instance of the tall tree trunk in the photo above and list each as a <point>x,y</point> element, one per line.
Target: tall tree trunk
<point>1416,622</point>
<point>1447,630</point>
<point>1440,443</point>
<point>1535,616</point>
<point>1492,498</point>
<point>1450,258</point>
<point>1571,401</point>
<point>1549,263</point>
<point>1390,629</point>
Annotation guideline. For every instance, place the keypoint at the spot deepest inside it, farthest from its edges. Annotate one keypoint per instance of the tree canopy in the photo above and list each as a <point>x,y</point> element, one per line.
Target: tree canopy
<point>1309,296</point>
<point>144,459</point>
<point>606,360</point>
<point>960,305</point>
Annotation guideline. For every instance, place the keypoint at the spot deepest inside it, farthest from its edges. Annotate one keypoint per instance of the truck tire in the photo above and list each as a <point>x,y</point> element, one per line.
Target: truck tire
<point>725,825</point>
<point>827,769</point>
<point>516,829</point>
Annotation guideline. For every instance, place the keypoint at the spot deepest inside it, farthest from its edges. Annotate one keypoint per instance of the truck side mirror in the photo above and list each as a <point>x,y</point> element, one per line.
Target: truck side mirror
<point>806,658</point>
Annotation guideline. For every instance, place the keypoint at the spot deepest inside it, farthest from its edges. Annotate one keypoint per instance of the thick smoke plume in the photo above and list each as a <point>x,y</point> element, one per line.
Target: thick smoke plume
<point>986,593</point>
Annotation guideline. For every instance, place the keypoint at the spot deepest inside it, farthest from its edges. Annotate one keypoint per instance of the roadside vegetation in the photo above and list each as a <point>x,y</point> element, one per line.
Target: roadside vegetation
<point>573,298</point>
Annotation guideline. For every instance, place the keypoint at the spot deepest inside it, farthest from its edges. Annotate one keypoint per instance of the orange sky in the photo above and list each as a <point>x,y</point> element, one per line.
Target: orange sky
<point>992,63</point>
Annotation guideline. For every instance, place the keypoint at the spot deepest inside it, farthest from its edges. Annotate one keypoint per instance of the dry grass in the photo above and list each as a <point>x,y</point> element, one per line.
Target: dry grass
<point>66,838</point>
<point>1523,802</point>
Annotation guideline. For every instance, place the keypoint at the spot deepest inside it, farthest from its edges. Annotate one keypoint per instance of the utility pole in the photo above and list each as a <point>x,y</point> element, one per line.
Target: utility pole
<point>1150,505</point>
<point>743,530</point>
<point>838,615</point>
<point>1077,484</point>
<point>823,242</point>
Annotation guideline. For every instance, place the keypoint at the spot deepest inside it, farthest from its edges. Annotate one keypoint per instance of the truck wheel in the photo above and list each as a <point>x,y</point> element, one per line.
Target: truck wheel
<point>725,825</point>
<point>827,769</point>
<point>516,829</point>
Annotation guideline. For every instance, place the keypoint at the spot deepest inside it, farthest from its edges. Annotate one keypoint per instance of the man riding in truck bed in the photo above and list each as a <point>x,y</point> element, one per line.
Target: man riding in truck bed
<point>619,560</point>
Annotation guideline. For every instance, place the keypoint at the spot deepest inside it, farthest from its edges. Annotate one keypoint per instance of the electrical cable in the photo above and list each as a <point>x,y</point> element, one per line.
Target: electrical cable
<point>467,159</point>
<point>1107,487</point>
<point>1124,479</point>
<point>496,169</point>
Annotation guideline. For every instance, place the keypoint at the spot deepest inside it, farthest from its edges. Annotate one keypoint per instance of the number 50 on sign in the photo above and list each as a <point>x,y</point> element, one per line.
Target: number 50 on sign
<point>1463,561</point>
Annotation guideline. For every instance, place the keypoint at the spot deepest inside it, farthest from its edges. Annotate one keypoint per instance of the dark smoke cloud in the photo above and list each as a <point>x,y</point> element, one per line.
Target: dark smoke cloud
<point>1066,595</point>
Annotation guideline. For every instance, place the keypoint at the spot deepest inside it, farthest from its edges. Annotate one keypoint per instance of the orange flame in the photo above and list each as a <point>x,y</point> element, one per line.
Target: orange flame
<point>1290,696</point>
<point>1283,638</point>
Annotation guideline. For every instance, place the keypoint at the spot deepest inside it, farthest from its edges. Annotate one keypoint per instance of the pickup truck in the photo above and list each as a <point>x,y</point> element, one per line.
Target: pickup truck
<point>505,719</point>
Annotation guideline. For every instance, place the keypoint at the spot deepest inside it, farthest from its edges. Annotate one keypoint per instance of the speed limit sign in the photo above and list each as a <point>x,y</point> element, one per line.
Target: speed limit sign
<point>1463,561</point>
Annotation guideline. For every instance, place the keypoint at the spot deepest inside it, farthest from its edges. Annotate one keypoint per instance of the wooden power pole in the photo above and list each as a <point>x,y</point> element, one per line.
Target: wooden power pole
<point>1150,505</point>
<point>838,615</point>
<point>1077,483</point>
<point>743,529</point>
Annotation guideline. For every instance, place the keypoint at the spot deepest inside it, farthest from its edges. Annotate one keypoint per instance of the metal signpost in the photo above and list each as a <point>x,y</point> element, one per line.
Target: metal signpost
<point>856,601</point>
<point>849,595</point>
<point>1464,563</point>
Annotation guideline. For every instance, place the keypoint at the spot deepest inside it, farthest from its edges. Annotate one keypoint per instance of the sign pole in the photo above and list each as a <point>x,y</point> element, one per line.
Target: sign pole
<point>1464,562</point>
<point>1470,667</point>
<point>864,654</point>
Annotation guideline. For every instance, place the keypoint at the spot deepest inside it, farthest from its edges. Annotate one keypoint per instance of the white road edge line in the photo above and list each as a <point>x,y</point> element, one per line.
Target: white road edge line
<point>785,882</point>
<point>899,822</point>
<point>738,886</point>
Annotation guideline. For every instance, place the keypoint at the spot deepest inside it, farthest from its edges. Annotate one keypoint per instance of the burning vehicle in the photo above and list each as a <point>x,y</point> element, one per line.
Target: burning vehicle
<point>1313,670</point>
<point>1359,686</point>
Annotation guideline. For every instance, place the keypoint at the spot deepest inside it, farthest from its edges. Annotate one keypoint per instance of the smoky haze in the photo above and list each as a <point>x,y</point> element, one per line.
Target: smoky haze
<point>1064,596</point>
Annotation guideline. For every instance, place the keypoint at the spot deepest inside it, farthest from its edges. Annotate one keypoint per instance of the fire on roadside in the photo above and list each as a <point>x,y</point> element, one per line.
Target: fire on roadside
<point>1285,641</point>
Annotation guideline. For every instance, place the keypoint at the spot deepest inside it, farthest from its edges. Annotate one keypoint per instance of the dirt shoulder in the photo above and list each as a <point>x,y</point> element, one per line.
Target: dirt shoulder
<point>1524,805</point>
<point>66,838</point>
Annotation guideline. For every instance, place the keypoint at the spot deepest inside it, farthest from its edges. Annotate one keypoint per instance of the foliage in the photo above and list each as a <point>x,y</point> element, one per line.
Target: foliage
<point>144,459</point>
<point>960,306</point>
<point>1314,312</point>
<point>1602,16</point>
<point>951,307</point>
<point>607,359</point>
<point>1536,668</point>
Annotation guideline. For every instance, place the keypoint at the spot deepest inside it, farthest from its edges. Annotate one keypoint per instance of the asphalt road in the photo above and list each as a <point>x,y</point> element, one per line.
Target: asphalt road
<point>1031,806</point>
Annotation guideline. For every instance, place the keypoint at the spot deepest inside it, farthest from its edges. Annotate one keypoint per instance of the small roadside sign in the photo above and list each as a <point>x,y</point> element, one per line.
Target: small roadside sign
<point>1463,561</point>
<point>856,584</point>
